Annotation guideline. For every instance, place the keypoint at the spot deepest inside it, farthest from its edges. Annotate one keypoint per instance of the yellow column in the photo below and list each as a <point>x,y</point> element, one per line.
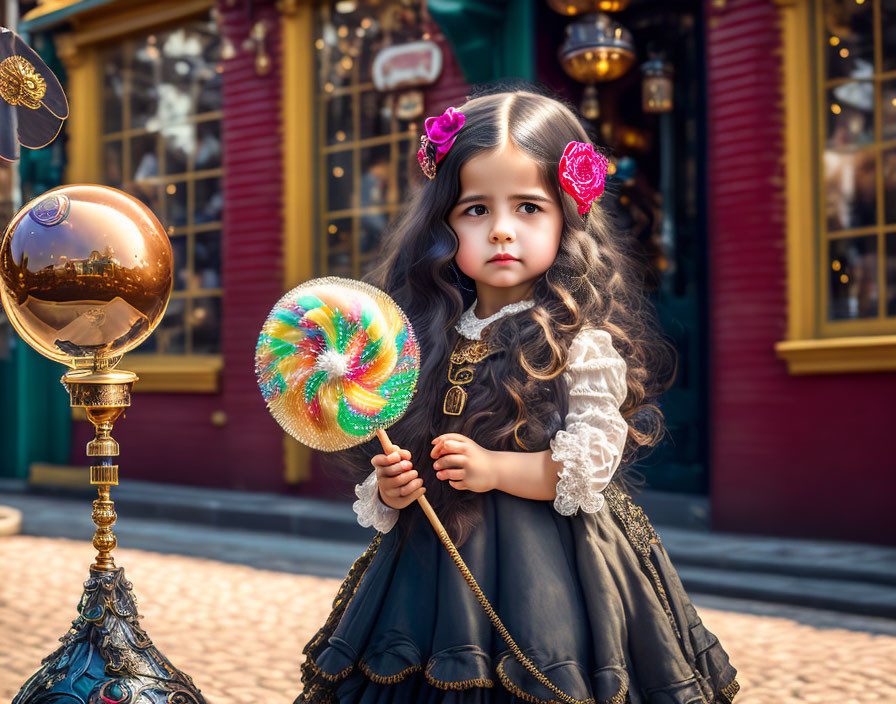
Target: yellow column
<point>297,128</point>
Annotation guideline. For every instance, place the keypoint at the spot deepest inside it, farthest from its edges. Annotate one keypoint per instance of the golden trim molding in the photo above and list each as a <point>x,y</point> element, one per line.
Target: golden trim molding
<point>298,159</point>
<point>839,355</point>
<point>175,374</point>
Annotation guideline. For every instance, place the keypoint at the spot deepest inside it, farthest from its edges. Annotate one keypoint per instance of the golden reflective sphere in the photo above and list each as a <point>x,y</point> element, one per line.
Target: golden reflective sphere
<point>85,274</point>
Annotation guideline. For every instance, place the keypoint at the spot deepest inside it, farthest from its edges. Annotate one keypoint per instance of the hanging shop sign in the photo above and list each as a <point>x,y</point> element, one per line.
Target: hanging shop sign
<point>407,65</point>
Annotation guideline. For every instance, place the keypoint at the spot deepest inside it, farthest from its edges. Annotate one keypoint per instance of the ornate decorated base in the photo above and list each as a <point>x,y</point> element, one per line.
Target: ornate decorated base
<point>106,658</point>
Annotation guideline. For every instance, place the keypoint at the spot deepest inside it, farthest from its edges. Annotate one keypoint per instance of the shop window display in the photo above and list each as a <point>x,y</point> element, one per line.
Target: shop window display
<point>366,150</point>
<point>162,143</point>
<point>857,96</point>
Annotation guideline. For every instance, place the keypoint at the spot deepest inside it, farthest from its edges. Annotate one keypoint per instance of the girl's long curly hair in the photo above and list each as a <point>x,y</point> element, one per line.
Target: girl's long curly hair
<point>518,398</point>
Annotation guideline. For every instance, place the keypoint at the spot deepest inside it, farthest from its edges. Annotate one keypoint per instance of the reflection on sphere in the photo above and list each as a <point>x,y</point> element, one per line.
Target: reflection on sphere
<point>85,273</point>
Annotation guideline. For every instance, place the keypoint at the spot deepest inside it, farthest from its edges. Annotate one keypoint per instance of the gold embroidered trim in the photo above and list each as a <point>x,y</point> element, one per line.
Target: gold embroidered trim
<point>731,690</point>
<point>463,684</point>
<point>390,679</point>
<point>641,535</point>
<point>313,690</point>
<point>621,697</point>
<point>320,673</point>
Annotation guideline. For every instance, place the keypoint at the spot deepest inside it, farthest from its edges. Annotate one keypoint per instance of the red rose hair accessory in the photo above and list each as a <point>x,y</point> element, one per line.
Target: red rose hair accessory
<point>582,174</point>
<point>440,134</point>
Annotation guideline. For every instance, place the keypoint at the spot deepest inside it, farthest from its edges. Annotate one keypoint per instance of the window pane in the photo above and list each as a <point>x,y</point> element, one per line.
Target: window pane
<point>206,320</point>
<point>889,165</point>
<point>891,273</point>
<point>339,181</point>
<point>171,334</point>
<point>144,79</point>
<point>339,247</point>
<point>888,93</point>
<point>339,120</point>
<point>113,89</point>
<point>179,54</point>
<point>850,188</point>
<point>209,200</point>
<point>207,259</point>
<point>179,143</point>
<point>850,114</point>
<point>112,165</point>
<point>208,145</point>
<point>888,34</point>
<point>849,32</point>
<point>376,114</point>
<point>181,270</point>
<point>408,166</point>
<point>176,203</point>
<point>144,159</point>
<point>377,181</point>
<point>852,272</point>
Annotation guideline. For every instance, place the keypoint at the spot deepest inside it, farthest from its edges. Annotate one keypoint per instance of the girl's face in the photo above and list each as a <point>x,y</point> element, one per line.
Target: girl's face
<point>508,224</point>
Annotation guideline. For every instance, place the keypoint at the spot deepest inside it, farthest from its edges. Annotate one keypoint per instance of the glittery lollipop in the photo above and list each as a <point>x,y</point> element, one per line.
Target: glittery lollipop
<point>336,361</point>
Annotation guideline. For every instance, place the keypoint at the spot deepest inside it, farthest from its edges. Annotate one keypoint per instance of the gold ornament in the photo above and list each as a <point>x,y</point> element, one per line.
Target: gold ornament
<point>20,84</point>
<point>466,353</point>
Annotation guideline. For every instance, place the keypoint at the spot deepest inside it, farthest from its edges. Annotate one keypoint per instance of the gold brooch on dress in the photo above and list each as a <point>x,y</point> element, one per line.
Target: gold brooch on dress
<point>466,353</point>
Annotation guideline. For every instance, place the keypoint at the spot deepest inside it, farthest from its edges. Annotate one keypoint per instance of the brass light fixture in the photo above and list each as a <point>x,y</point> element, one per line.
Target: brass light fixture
<point>596,49</point>
<point>657,89</point>
<point>578,7</point>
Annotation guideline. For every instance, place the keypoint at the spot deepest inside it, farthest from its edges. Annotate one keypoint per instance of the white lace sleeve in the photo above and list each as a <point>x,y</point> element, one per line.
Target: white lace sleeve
<point>370,509</point>
<point>591,446</point>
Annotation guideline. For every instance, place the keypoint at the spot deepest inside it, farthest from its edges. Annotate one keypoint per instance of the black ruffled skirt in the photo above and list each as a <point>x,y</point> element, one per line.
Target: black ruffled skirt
<point>592,600</point>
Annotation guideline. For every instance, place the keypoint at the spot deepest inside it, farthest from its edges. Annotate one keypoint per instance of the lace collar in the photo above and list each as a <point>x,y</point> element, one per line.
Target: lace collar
<point>471,327</point>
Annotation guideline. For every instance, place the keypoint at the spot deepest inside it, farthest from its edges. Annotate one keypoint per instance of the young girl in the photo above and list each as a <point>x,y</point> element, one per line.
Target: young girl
<point>539,359</point>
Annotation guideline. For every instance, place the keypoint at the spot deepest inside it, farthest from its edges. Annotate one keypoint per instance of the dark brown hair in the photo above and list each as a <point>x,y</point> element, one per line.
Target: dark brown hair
<point>518,397</point>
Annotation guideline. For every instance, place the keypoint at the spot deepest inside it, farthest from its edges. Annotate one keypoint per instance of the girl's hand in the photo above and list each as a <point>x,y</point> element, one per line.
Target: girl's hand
<point>465,464</point>
<point>398,483</point>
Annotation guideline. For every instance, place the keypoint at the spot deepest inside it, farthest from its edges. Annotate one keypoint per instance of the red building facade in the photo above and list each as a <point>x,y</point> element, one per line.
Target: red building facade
<point>793,408</point>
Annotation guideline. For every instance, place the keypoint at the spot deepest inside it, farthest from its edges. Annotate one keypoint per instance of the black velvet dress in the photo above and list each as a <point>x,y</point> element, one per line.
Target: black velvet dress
<point>591,599</point>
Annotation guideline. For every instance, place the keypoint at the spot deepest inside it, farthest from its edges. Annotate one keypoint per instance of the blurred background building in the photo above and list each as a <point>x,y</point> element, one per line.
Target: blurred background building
<point>753,148</point>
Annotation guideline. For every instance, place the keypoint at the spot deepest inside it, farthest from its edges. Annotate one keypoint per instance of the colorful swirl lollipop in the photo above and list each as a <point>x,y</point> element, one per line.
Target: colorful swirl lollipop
<point>336,361</point>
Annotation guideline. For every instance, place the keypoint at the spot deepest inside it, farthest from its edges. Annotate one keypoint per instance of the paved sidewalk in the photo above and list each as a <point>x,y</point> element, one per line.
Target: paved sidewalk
<point>849,577</point>
<point>239,631</point>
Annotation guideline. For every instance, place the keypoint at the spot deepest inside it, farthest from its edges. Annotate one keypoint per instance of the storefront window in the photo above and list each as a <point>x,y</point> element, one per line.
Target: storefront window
<point>162,144</point>
<point>858,158</point>
<point>366,150</point>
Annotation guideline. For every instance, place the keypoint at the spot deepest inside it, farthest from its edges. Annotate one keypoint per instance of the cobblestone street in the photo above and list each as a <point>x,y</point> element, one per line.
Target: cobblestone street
<point>238,631</point>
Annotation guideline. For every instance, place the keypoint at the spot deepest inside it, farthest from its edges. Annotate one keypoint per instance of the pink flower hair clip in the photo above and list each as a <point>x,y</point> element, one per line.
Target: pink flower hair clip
<point>440,134</point>
<point>583,173</point>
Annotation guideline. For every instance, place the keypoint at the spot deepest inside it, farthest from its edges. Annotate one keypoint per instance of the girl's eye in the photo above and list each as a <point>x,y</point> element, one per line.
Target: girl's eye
<point>534,207</point>
<point>479,210</point>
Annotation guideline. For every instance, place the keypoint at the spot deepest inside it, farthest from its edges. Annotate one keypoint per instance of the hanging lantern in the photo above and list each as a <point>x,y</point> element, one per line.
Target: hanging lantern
<point>590,107</point>
<point>657,89</point>
<point>578,7</point>
<point>597,49</point>
<point>571,7</point>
